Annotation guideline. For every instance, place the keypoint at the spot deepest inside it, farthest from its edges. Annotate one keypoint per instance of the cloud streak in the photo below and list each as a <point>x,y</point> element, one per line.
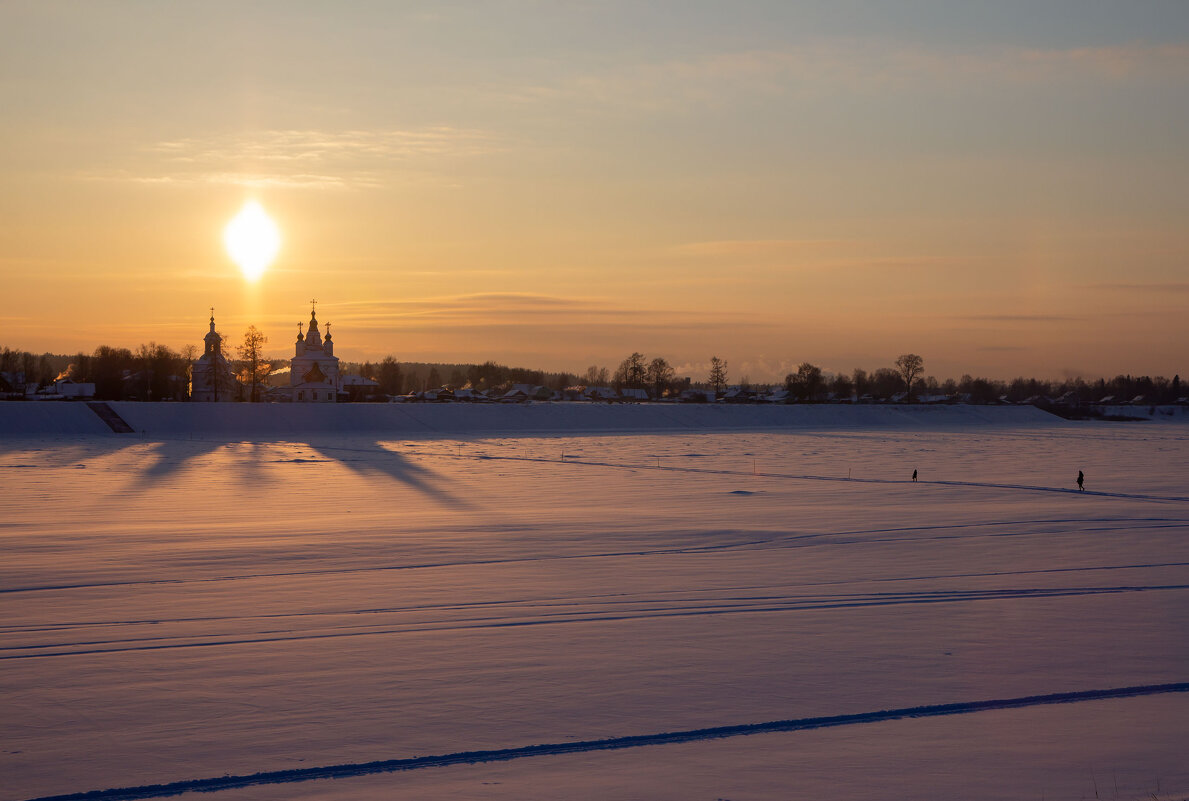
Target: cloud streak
<point>1020,318</point>
<point>520,310</point>
<point>1156,288</point>
<point>826,66</point>
<point>754,248</point>
<point>304,159</point>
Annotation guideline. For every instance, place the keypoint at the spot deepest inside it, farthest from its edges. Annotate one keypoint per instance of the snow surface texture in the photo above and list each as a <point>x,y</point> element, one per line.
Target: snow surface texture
<point>178,610</point>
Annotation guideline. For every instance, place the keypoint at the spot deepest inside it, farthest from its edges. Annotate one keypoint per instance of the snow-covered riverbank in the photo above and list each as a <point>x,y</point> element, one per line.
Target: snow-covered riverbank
<point>429,420</point>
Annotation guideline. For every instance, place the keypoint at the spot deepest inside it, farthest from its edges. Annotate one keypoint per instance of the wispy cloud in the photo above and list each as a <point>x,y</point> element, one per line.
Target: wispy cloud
<point>1020,318</point>
<point>1156,288</point>
<point>750,248</point>
<point>827,66</point>
<point>520,310</point>
<point>304,159</point>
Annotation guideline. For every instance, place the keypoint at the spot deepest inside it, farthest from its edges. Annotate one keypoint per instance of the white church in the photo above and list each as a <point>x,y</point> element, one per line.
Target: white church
<point>210,375</point>
<point>313,370</point>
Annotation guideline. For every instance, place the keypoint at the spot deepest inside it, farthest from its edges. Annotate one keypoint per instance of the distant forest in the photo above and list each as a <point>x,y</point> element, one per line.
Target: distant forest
<point>156,372</point>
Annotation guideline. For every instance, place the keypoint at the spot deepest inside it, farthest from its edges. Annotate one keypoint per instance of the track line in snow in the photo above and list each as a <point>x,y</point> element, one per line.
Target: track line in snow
<point>775,541</point>
<point>355,769</point>
<point>623,597</point>
<point>158,643</point>
<point>574,600</point>
<point>812,477</point>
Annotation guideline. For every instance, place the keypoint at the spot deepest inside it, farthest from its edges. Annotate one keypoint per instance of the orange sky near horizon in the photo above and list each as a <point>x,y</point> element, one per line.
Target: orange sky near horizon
<point>556,187</point>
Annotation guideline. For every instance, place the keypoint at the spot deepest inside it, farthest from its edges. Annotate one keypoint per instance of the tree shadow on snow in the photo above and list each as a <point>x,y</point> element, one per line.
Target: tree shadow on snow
<point>172,456</point>
<point>157,461</point>
<point>373,459</point>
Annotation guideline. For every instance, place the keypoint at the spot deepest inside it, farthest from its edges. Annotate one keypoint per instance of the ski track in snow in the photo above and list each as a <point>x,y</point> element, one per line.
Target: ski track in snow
<point>619,597</point>
<point>778,541</point>
<point>758,605</point>
<point>351,770</point>
<point>808,477</point>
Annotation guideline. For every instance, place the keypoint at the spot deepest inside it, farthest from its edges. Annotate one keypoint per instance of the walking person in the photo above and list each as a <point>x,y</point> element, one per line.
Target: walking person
<point>914,476</point>
<point>1081,481</point>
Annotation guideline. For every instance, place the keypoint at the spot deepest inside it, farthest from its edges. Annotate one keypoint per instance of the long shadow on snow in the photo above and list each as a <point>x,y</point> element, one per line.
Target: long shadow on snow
<point>372,459</point>
<point>249,457</point>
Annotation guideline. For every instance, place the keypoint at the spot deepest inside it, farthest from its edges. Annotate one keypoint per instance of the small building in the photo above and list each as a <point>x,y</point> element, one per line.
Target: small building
<point>599,394</point>
<point>69,388</point>
<point>738,395</point>
<point>360,388</point>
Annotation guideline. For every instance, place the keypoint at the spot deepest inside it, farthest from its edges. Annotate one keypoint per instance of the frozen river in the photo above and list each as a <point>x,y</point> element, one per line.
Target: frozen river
<point>180,610</point>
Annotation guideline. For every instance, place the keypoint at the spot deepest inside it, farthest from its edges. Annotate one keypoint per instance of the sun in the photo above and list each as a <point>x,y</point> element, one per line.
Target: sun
<point>252,240</point>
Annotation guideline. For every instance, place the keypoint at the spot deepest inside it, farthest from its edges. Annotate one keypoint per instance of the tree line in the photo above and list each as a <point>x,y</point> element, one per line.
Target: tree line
<point>403,378</point>
<point>157,372</point>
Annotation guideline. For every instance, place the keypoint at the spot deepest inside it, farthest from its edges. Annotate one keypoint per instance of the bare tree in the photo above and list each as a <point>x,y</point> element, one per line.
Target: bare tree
<point>718,375</point>
<point>842,387</point>
<point>909,366</point>
<point>597,376</point>
<point>389,376</point>
<point>806,383</point>
<point>255,367</point>
<point>660,375</point>
<point>631,372</point>
<point>189,354</point>
<point>861,382</point>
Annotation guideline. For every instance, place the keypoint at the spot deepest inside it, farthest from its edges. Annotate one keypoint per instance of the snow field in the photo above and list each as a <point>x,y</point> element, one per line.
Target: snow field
<point>178,609</point>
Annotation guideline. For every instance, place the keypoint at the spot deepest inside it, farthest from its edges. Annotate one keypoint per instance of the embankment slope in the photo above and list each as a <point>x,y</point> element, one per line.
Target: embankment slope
<point>285,421</point>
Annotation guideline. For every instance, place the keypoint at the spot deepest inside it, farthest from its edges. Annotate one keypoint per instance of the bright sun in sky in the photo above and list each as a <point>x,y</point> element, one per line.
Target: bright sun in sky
<point>252,240</point>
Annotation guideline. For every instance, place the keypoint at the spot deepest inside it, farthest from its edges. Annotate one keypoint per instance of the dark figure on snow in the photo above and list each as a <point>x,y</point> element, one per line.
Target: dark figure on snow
<point>1081,481</point>
<point>914,476</point>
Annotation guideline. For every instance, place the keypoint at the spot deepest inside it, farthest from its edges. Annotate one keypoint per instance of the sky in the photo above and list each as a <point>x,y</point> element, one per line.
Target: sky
<point>1000,187</point>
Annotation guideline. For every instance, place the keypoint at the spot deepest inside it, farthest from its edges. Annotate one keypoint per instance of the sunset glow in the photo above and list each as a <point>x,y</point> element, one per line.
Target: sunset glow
<point>986,184</point>
<point>669,400</point>
<point>252,240</point>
